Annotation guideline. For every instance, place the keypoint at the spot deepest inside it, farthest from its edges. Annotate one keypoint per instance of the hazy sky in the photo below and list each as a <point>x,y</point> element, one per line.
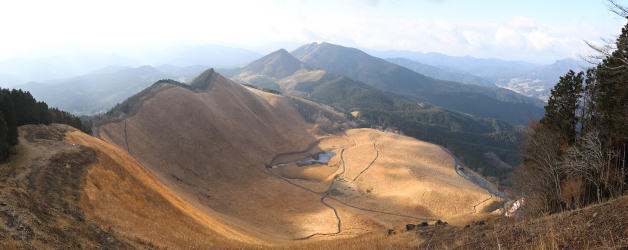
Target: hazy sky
<point>533,30</point>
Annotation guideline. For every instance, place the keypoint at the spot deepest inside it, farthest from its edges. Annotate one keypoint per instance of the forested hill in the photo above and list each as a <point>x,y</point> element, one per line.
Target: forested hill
<point>469,137</point>
<point>472,99</point>
<point>19,108</point>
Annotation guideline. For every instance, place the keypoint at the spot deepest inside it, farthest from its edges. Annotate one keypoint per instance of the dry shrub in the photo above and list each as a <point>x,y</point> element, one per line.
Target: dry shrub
<point>573,193</point>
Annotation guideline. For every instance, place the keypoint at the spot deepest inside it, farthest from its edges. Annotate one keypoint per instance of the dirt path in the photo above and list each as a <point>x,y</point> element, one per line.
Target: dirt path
<point>326,194</point>
<point>370,164</point>
<point>480,203</point>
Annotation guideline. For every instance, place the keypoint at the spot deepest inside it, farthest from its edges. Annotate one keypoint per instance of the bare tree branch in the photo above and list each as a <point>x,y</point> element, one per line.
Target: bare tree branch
<point>604,51</point>
<point>618,9</point>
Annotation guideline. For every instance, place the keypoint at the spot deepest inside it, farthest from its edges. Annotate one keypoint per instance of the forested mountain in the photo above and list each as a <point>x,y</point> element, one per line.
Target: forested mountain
<point>476,100</point>
<point>440,73</point>
<point>468,136</point>
<point>19,108</point>
<point>98,91</point>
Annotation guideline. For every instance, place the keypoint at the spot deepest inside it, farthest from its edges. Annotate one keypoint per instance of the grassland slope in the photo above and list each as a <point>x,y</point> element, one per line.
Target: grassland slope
<point>66,189</point>
<point>212,145</point>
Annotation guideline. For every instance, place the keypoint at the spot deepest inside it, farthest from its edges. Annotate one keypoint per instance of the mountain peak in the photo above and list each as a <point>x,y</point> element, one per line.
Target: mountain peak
<point>277,64</point>
<point>203,81</point>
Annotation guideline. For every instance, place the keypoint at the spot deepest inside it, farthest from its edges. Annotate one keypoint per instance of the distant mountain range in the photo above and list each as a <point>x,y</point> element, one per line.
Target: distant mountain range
<point>100,90</point>
<point>530,79</point>
<point>533,80</point>
<point>488,68</point>
<point>441,73</point>
<point>73,63</point>
<point>471,120</point>
<point>453,111</point>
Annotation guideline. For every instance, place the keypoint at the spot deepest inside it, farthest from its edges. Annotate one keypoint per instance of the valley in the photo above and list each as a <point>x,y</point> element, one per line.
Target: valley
<point>273,124</point>
<point>350,194</point>
<point>354,199</point>
<point>216,164</point>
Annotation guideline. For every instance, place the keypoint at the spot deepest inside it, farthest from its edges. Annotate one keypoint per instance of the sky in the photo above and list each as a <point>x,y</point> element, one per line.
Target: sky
<point>532,30</point>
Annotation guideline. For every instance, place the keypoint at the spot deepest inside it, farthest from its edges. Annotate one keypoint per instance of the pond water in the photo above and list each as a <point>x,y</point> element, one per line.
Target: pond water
<point>320,158</point>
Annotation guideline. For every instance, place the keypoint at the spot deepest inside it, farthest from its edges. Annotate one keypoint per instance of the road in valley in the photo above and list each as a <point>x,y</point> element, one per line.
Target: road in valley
<point>474,178</point>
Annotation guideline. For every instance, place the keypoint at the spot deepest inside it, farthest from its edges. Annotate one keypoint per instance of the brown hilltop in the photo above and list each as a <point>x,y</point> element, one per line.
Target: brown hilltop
<point>195,166</point>
<point>210,143</point>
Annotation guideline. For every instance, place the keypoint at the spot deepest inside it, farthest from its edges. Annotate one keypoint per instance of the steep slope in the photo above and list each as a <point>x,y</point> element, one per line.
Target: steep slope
<point>66,189</point>
<point>480,101</point>
<point>206,140</point>
<point>229,151</point>
<point>440,73</point>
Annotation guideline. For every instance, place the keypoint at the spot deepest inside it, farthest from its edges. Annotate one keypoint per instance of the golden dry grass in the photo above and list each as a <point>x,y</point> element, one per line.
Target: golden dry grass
<point>211,148</point>
<point>126,198</point>
<point>414,177</point>
<point>601,226</point>
<point>288,83</point>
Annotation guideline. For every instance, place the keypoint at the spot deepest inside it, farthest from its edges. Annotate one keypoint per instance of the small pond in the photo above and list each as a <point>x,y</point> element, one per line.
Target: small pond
<point>320,158</point>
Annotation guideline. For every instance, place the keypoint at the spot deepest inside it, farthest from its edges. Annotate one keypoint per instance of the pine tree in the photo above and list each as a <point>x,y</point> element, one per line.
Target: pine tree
<point>7,108</point>
<point>561,112</point>
<point>4,144</point>
<point>611,94</point>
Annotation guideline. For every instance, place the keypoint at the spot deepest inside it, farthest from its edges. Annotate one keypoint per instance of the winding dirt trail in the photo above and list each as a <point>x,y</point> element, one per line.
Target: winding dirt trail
<point>480,203</point>
<point>370,164</point>
<point>326,194</point>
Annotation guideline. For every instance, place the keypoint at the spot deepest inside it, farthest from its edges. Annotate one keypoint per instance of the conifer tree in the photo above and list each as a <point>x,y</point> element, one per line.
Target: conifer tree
<point>561,112</point>
<point>7,108</point>
<point>4,145</point>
